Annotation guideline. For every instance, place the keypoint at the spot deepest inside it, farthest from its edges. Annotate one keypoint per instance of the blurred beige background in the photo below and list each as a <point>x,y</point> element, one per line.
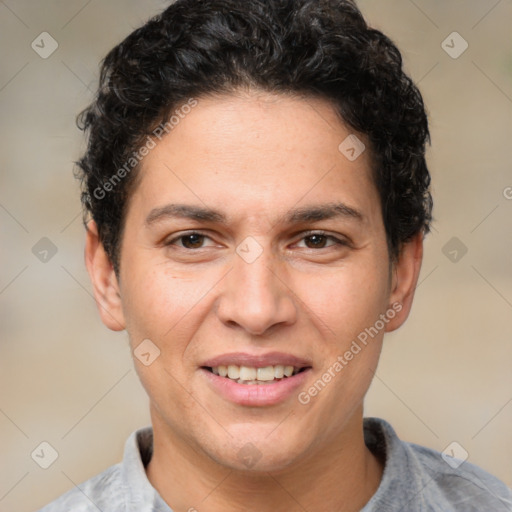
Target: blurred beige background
<point>65,379</point>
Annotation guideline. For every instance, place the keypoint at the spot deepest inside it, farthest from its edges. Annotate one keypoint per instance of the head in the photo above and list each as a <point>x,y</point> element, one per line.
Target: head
<point>256,183</point>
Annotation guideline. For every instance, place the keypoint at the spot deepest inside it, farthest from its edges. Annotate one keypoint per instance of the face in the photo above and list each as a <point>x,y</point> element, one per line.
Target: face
<point>254,246</point>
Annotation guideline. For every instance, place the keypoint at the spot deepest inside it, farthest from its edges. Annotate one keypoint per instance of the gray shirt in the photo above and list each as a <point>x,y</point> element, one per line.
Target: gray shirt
<point>415,479</point>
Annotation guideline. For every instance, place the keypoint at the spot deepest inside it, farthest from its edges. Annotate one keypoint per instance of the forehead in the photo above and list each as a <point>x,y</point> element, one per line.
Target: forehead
<point>258,154</point>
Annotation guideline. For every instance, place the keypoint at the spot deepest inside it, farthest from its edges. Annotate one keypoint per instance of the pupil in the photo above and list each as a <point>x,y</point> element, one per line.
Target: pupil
<point>193,240</point>
<point>317,240</point>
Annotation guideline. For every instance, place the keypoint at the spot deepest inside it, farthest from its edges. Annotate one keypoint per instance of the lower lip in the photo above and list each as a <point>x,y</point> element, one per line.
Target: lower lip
<point>256,395</point>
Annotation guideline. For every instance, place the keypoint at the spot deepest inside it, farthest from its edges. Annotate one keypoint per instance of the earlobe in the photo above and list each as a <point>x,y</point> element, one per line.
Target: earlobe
<point>104,280</point>
<point>405,273</point>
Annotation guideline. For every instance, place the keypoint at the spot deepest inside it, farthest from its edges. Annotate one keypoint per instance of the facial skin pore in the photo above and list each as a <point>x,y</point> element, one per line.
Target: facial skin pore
<point>256,158</point>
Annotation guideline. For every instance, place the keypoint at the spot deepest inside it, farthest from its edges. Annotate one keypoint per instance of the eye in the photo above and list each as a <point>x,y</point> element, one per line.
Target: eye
<point>318,240</point>
<point>313,240</point>
<point>191,240</point>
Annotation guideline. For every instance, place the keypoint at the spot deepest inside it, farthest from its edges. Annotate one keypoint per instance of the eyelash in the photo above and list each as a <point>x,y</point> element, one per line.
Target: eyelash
<point>308,234</point>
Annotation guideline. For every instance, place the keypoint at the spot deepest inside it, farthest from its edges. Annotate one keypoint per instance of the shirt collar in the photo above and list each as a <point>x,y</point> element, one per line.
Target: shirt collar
<point>140,495</point>
<point>403,480</point>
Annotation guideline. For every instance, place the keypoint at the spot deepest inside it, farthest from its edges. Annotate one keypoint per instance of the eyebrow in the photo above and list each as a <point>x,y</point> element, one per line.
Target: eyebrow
<point>312,213</point>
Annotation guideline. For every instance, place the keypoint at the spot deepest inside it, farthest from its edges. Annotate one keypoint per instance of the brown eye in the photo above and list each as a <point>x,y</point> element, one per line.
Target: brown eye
<point>316,241</point>
<point>321,240</point>
<point>188,241</point>
<point>192,241</point>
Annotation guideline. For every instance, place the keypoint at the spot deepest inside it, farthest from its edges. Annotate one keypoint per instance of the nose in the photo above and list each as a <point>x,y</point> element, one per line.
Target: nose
<point>255,295</point>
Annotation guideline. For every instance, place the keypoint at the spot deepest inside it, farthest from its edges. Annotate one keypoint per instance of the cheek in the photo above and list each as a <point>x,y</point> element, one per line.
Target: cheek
<point>156,300</point>
<point>345,301</point>
<point>159,306</point>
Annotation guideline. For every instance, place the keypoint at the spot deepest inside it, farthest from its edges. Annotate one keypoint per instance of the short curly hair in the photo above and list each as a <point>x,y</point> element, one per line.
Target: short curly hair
<point>320,48</point>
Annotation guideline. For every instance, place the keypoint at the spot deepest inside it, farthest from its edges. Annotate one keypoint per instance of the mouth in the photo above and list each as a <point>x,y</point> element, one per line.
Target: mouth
<point>256,380</point>
<point>252,375</point>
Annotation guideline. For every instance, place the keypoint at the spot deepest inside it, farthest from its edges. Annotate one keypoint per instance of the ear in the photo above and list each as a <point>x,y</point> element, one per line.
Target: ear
<point>404,279</point>
<point>104,280</point>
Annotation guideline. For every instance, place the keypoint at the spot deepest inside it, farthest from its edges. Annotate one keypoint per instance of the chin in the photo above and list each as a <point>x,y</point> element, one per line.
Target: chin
<point>254,462</point>
<point>261,450</point>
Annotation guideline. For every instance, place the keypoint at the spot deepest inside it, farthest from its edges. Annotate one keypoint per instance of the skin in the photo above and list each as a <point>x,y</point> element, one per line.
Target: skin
<point>255,156</point>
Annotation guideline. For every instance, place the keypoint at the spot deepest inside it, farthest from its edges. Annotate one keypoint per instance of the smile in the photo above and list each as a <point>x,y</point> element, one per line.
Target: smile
<point>255,375</point>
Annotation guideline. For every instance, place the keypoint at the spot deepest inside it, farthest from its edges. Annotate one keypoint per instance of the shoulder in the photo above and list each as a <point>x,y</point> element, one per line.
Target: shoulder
<point>420,479</point>
<point>101,492</point>
<point>463,485</point>
<point>120,488</point>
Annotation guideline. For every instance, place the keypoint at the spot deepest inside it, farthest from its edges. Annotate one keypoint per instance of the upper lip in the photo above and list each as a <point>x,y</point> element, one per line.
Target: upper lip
<point>257,361</point>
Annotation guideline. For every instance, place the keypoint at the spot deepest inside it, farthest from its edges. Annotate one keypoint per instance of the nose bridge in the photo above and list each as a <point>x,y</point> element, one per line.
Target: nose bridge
<point>254,296</point>
<point>255,279</point>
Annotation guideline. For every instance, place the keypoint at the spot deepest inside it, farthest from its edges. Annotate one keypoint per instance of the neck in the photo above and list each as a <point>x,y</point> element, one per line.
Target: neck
<point>342,476</point>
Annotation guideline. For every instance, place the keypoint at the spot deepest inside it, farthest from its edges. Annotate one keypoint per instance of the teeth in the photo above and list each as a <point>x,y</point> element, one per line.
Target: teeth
<point>265,373</point>
<point>233,372</point>
<point>251,375</point>
<point>279,371</point>
<point>247,373</point>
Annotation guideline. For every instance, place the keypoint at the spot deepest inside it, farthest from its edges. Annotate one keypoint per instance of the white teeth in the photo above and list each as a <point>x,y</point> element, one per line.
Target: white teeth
<point>279,371</point>
<point>247,373</point>
<point>233,372</point>
<point>266,373</point>
<point>253,375</point>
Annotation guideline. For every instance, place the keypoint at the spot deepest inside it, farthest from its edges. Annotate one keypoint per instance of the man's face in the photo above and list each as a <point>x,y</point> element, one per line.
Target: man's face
<point>259,284</point>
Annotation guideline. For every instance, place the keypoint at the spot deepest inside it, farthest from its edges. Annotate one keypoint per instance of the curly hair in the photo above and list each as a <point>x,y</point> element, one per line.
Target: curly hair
<point>320,48</point>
